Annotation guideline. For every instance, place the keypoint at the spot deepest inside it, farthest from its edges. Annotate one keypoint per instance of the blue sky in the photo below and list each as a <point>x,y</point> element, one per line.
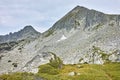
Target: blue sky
<point>42,14</point>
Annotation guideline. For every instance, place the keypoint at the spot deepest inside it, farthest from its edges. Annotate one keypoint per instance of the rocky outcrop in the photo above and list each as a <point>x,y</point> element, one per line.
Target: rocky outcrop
<point>81,17</point>
<point>7,46</point>
<point>27,33</point>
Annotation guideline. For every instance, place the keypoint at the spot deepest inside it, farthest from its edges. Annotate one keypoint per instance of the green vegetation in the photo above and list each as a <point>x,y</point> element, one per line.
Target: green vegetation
<point>49,33</point>
<point>14,64</point>
<point>17,76</point>
<point>53,67</point>
<point>48,69</point>
<point>97,26</point>
<point>77,23</point>
<point>56,62</point>
<point>53,71</point>
<point>109,71</point>
<point>102,53</point>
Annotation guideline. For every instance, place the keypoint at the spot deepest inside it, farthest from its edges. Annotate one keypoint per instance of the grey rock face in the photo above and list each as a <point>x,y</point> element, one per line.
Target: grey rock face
<point>81,36</point>
<point>7,46</point>
<point>27,32</point>
<point>83,29</point>
<point>81,17</point>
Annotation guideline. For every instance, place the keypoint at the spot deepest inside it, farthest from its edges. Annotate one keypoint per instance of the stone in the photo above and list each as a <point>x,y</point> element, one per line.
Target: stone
<point>79,66</point>
<point>78,74</point>
<point>71,74</point>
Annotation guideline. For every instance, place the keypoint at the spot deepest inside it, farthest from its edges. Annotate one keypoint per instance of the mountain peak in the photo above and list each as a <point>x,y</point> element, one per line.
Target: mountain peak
<point>28,32</point>
<point>80,17</point>
<point>80,7</point>
<point>28,27</point>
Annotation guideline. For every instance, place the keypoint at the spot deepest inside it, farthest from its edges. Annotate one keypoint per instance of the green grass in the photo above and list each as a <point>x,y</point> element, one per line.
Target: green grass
<point>48,69</point>
<point>108,71</point>
<point>17,76</point>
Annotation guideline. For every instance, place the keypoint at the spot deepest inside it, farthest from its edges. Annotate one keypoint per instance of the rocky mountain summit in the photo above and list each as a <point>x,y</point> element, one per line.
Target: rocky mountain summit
<point>81,36</point>
<point>26,33</point>
<point>86,32</point>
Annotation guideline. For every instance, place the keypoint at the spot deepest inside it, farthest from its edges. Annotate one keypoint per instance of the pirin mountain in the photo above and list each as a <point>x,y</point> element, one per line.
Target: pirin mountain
<point>82,36</point>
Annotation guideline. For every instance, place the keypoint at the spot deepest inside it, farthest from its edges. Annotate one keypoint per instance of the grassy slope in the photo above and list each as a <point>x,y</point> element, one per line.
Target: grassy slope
<point>109,71</point>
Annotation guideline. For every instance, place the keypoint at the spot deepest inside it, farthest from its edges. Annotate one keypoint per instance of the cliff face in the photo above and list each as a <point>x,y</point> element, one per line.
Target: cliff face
<point>81,36</point>
<point>82,17</point>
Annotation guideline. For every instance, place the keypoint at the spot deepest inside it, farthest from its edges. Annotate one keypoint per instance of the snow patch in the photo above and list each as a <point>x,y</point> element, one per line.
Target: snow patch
<point>62,38</point>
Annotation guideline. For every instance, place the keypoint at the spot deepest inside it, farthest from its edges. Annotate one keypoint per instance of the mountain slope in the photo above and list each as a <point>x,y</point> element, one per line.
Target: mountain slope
<point>81,17</point>
<point>81,36</point>
<point>85,30</point>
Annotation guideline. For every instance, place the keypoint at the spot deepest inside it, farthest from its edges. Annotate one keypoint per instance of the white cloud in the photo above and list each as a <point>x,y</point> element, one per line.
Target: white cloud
<point>15,14</point>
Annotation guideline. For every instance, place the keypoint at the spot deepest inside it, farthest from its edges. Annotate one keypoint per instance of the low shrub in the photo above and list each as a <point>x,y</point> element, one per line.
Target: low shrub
<point>53,67</point>
<point>9,61</point>
<point>15,64</point>
<point>48,69</point>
